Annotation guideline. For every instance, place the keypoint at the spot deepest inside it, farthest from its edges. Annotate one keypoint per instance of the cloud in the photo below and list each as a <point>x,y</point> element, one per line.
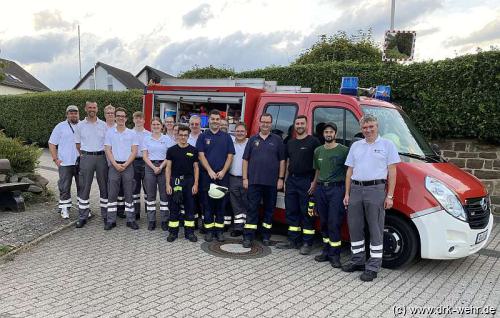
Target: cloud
<point>51,20</point>
<point>239,51</point>
<point>197,16</point>
<point>40,48</point>
<point>490,32</point>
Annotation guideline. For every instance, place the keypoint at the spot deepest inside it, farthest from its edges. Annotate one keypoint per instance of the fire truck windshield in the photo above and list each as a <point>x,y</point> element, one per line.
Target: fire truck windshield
<point>396,126</point>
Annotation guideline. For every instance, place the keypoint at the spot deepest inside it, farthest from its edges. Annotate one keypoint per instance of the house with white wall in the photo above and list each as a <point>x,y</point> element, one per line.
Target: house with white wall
<point>106,77</point>
<point>149,73</point>
<point>17,80</point>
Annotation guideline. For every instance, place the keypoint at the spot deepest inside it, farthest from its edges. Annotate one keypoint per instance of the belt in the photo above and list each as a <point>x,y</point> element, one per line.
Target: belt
<point>120,162</point>
<point>155,161</point>
<point>92,153</point>
<point>138,158</point>
<point>369,182</point>
<point>235,176</point>
<point>331,183</point>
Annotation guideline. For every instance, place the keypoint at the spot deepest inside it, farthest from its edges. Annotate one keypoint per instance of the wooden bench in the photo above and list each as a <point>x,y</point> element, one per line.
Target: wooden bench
<point>10,193</point>
<point>11,197</point>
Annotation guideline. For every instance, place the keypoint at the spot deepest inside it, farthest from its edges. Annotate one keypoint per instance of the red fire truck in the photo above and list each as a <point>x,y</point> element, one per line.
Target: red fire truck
<point>440,211</point>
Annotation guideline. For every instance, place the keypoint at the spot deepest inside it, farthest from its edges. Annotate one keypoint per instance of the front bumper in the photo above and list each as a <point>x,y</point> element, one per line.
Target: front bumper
<point>444,237</point>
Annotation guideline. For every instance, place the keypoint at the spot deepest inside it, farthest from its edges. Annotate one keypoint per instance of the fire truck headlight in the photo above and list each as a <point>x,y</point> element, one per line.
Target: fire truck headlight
<point>446,197</point>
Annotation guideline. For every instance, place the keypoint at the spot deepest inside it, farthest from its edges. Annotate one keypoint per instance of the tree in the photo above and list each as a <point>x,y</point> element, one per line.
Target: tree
<point>341,47</point>
<point>208,72</point>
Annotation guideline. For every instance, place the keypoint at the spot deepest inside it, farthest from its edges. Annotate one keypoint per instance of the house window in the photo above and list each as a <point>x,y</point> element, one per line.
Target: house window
<point>110,83</point>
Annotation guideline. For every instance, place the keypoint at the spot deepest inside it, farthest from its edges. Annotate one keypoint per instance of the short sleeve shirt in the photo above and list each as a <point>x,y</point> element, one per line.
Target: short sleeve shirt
<point>330,163</point>
<point>300,153</point>
<point>192,139</point>
<point>215,147</point>
<point>63,137</point>
<point>237,164</point>
<point>157,148</point>
<point>370,161</point>
<point>140,137</point>
<point>182,160</point>
<point>121,143</point>
<point>264,156</point>
<point>91,136</point>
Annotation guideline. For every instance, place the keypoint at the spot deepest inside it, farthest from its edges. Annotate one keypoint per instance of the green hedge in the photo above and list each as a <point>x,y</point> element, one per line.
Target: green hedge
<point>33,116</point>
<point>22,158</point>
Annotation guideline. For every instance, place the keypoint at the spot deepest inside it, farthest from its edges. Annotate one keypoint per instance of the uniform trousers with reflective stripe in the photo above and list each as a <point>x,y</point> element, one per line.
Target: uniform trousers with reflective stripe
<point>115,180</point>
<point>139,175</point>
<point>300,224</point>
<point>213,209</point>
<point>66,175</point>
<point>331,215</point>
<point>188,203</point>
<point>367,203</point>
<point>153,183</point>
<point>268,195</point>
<point>90,164</point>
<point>239,201</point>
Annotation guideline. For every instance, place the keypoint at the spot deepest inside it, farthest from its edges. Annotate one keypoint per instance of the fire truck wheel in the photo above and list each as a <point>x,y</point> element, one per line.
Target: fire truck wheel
<point>400,242</point>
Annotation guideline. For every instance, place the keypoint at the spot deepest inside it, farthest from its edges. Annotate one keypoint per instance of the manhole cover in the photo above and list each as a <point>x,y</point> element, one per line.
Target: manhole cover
<point>232,248</point>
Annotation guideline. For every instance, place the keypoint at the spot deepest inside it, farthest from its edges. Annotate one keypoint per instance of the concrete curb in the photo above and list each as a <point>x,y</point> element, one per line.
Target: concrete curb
<point>25,247</point>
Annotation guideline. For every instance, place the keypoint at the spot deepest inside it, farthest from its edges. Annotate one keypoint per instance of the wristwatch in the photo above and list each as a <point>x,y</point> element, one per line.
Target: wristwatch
<point>281,178</point>
<point>390,197</point>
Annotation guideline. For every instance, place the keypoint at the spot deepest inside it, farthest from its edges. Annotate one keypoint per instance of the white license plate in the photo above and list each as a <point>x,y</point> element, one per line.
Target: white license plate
<point>481,236</point>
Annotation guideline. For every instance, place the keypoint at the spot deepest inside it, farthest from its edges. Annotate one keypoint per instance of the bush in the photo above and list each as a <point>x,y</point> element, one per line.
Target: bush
<point>208,72</point>
<point>33,116</point>
<point>23,158</point>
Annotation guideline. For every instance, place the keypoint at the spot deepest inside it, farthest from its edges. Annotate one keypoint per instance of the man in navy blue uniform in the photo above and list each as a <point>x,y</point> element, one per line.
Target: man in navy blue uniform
<point>216,151</point>
<point>263,176</point>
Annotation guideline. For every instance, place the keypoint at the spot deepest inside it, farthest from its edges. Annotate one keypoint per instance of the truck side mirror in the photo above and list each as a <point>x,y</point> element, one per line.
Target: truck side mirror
<point>436,149</point>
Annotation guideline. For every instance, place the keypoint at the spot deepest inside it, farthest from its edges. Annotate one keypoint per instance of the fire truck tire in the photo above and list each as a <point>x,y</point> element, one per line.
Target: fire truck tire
<point>401,242</point>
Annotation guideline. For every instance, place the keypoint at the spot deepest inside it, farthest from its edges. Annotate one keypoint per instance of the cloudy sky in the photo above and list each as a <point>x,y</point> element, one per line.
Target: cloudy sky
<point>174,36</point>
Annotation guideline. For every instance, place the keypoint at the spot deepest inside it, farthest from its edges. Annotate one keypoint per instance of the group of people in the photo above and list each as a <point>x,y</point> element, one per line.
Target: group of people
<point>195,171</point>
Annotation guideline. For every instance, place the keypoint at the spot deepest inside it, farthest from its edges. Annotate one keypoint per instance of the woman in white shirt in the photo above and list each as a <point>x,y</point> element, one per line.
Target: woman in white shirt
<point>154,153</point>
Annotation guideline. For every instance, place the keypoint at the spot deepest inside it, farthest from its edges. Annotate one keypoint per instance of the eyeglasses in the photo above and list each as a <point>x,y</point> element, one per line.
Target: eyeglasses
<point>266,122</point>
<point>194,124</point>
<point>109,113</point>
<point>121,116</point>
<point>183,136</point>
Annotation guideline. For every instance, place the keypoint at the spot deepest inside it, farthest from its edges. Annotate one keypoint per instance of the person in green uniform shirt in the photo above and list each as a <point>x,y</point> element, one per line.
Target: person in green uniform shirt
<point>329,162</point>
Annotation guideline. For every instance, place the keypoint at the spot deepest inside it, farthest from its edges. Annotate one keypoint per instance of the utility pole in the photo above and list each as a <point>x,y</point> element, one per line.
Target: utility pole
<point>79,53</point>
<point>393,7</point>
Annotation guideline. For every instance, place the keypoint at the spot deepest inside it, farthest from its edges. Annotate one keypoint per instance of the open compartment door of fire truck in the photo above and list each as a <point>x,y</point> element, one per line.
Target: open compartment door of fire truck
<point>183,98</point>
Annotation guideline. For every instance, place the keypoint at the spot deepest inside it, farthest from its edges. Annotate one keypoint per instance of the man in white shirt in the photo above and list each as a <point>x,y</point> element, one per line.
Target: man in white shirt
<point>89,139</point>
<point>371,165</point>
<point>121,149</point>
<point>64,154</point>
<point>138,164</point>
<point>195,126</point>
<point>238,194</point>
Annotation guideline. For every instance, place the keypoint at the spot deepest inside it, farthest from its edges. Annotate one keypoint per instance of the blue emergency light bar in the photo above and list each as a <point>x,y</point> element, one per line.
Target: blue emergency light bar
<point>383,92</point>
<point>349,86</point>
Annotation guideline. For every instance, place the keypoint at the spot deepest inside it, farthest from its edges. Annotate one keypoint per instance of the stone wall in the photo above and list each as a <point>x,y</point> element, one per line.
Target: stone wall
<point>479,159</point>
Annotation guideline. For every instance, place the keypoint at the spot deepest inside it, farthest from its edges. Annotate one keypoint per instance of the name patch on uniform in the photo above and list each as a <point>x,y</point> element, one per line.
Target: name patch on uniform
<point>256,143</point>
<point>207,141</point>
<point>189,154</point>
<point>378,150</point>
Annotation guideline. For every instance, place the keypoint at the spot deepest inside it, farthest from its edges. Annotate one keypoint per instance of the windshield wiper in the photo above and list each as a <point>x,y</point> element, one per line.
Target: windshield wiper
<point>423,158</point>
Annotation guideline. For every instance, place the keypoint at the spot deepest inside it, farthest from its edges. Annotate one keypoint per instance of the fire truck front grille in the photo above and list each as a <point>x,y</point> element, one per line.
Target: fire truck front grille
<point>478,212</point>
